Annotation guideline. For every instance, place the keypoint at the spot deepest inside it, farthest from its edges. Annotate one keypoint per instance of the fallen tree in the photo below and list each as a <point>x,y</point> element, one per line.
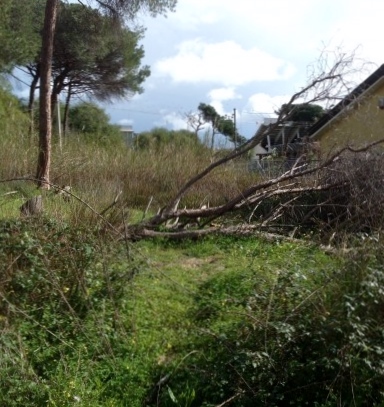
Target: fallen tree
<point>330,195</point>
<point>300,181</point>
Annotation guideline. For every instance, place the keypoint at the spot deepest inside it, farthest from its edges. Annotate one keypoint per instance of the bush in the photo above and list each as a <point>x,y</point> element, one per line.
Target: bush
<point>300,339</point>
<point>160,137</point>
<point>63,340</point>
<point>92,123</point>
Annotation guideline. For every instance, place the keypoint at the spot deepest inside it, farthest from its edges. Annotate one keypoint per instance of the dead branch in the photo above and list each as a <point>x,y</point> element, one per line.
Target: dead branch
<point>224,403</point>
<point>321,87</point>
<point>282,193</point>
<point>238,230</point>
<point>195,120</point>
<point>112,204</point>
<point>258,192</point>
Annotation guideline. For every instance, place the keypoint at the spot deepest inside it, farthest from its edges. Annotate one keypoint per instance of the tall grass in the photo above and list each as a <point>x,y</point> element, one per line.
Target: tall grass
<point>141,174</point>
<point>97,172</point>
<point>15,152</point>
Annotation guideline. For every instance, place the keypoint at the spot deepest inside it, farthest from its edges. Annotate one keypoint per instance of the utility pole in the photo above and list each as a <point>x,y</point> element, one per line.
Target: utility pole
<point>234,128</point>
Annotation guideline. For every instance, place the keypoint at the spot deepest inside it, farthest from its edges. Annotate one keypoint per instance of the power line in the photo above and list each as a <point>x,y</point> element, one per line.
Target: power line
<point>136,110</point>
<point>258,113</point>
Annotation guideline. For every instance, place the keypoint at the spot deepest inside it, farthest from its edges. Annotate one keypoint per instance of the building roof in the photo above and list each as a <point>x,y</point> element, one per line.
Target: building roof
<point>263,129</point>
<point>357,93</point>
<point>282,133</point>
<point>126,128</point>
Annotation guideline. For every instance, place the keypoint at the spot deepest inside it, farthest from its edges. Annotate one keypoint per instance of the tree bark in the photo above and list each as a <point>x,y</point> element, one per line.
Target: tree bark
<point>45,122</point>
<point>66,109</point>
<point>31,101</point>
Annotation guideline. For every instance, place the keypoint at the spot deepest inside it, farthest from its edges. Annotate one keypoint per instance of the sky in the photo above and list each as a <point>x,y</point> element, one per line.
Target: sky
<point>248,55</point>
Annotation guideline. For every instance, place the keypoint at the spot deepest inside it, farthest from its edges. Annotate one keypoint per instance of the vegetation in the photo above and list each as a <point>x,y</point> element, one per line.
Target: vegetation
<point>194,322</point>
<point>89,318</point>
<point>224,125</point>
<point>169,274</point>
<point>301,112</point>
<point>92,55</point>
<point>18,37</point>
<point>90,120</point>
<point>159,137</point>
<point>124,58</point>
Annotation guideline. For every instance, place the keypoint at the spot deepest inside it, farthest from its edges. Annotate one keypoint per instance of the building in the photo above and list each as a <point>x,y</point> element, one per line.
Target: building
<point>356,120</point>
<point>127,134</point>
<point>280,145</point>
<point>278,138</point>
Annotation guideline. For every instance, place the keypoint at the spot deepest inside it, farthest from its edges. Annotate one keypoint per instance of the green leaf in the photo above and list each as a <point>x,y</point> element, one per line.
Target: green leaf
<point>171,395</point>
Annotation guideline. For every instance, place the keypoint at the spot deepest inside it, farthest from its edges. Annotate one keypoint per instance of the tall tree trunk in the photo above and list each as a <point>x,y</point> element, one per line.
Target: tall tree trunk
<point>66,109</point>
<point>58,86</point>
<point>31,101</point>
<point>54,99</point>
<point>213,139</point>
<point>45,123</point>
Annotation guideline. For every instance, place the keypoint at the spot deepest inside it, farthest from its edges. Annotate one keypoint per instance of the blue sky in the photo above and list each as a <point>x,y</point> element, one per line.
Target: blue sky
<point>246,54</point>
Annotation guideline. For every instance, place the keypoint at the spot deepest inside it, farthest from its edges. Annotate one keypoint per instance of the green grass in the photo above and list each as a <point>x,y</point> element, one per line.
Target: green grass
<point>189,288</point>
<point>90,320</point>
<point>138,312</point>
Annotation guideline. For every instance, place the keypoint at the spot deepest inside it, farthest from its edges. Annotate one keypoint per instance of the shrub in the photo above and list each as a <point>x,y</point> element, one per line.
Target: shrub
<point>300,339</point>
<point>63,340</point>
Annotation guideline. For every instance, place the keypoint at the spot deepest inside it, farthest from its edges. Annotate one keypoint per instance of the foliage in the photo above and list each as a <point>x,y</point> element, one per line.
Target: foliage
<point>89,119</point>
<point>93,54</point>
<point>98,166</point>
<point>213,322</point>
<point>45,126</point>
<point>15,146</point>
<point>60,318</point>
<point>13,121</point>
<point>220,124</point>
<point>18,38</point>
<point>132,7</point>
<point>190,323</point>
<point>160,137</point>
<point>301,112</point>
<point>299,335</point>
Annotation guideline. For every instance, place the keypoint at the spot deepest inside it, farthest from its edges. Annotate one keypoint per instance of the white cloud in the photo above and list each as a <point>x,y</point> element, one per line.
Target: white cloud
<point>226,63</point>
<point>173,120</point>
<point>265,105</point>
<point>190,14</point>
<point>247,42</point>
<point>222,94</point>
<point>125,122</point>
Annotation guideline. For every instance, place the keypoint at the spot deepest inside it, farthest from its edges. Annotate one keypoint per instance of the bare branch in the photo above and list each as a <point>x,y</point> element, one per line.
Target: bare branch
<point>322,86</point>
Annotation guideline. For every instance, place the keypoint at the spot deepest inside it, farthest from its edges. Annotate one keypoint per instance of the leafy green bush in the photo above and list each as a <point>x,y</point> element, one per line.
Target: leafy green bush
<point>63,337</point>
<point>92,123</point>
<point>304,337</point>
<point>160,137</point>
<point>13,121</point>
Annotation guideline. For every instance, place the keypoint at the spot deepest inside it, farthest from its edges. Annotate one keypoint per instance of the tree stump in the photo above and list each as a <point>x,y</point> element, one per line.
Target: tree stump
<point>32,207</point>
